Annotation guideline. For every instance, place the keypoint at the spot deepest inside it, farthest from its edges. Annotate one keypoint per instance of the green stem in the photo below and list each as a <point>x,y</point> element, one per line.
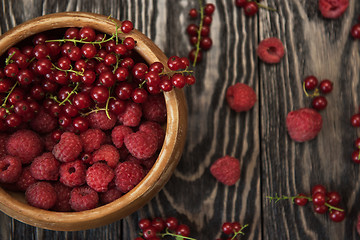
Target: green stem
<point>69,95</point>
<point>7,96</point>
<point>240,231</point>
<point>199,32</point>
<point>266,7</point>
<point>69,70</point>
<point>8,59</point>
<point>173,72</point>
<point>167,233</point>
<point>315,94</point>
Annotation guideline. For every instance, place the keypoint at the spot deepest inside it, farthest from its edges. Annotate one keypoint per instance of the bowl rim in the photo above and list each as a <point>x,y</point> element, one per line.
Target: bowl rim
<point>168,157</point>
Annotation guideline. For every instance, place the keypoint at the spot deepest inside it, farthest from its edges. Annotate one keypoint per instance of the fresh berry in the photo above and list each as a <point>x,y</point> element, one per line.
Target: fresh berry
<point>303,124</point>
<point>172,223</point>
<point>45,167</point>
<point>301,200</point>
<point>227,228</point>
<point>98,176</point>
<point>92,139</point>
<point>271,50</point>
<point>336,215</point>
<point>128,175</point>
<point>355,120</point>
<point>69,147</point>
<point>154,109</point>
<point>333,8</point>
<point>100,120</point>
<point>132,114</point>
<point>141,144</point>
<point>25,179</point>
<point>326,86</point>
<point>24,144</point>
<point>83,198</point>
<point>240,97</point>
<point>251,8</point>
<point>155,129</point>
<point>73,174</point>
<point>107,153</point>
<point>183,230</point>
<point>226,170</point>
<point>310,82</point>
<point>10,169</point>
<point>63,197</point>
<point>319,103</point>
<point>43,122</point>
<point>119,133</point>
<point>41,195</point>
<point>110,195</point>
<point>355,31</point>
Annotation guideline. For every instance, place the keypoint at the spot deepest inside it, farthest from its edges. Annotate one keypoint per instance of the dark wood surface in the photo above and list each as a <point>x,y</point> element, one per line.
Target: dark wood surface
<point>271,162</point>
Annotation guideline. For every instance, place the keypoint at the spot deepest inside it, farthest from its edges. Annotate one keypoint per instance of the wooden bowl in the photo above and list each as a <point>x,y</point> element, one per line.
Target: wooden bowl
<point>14,204</point>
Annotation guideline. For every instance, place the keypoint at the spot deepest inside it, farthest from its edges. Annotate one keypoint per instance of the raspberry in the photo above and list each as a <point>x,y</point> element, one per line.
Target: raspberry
<point>100,120</point>
<point>24,144</point>
<point>63,197</point>
<point>49,142</point>
<point>25,179</point>
<point>270,50</point>
<point>333,8</point>
<point>83,198</point>
<point>149,162</point>
<point>128,175</point>
<point>72,174</point>
<point>98,176</point>
<point>154,108</point>
<point>41,195</point>
<point>43,122</point>
<point>3,141</point>
<point>107,153</point>
<point>69,147</point>
<point>303,124</point>
<point>92,139</point>
<point>10,169</point>
<point>226,170</point>
<point>119,133</point>
<point>240,97</point>
<point>110,195</point>
<point>132,114</point>
<point>141,145</point>
<point>155,129</point>
<point>45,167</point>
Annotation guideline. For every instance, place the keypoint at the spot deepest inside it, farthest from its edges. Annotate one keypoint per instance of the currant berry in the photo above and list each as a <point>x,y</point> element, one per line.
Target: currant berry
<point>227,228</point>
<point>81,124</point>
<point>107,79</point>
<point>158,223</point>
<point>129,43</point>
<point>236,226</point>
<point>209,9</point>
<point>319,198</point>
<point>139,95</point>
<point>192,29</point>
<point>336,215</point>
<point>355,120</point>
<point>318,188</point>
<point>123,90</point>
<point>193,13</point>
<point>319,103</point>
<point>149,233</point>
<point>183,230</point>
<point>321,209</point>
<point>126,26</point>
<point>240,3</point>
<point>357,143</point>
<point>251,8</point>
<point>310,82</point>
<point>13,120</point>
<point>355,31</point>
<point>56,135</point>
<point>178,80</point>
<point>174,63</point>
<point>144,224</point>
<point>301,201</point>
<point>99,94</point>
<point>205,43</point>
<point>121,74</point>
<point>64,120</point>
<point>355,156</point>
<point>87,34</point>
<point>333,198</point>
<point>171,223</point>
<point>326,86</point>
<point>116,106</point>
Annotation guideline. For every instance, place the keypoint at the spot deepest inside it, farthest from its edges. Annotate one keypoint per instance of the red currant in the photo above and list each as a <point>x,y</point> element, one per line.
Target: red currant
<point>336,215</point>
<point>99,94</point>
<point>251,8</point>
<point>301,201</point>
<point>355,31</point>
<point>126,26</point>
<point>193,13</point>
<point>171,223</point>
<point>318,188</point>
<point>310,82</point>
<point>319,103</point>
<point>326,86</point>
<point>209,9</point>
<point>355,120</point>
<point>333,198</point>
<point>183,230</point>
<point>355,156</point>
<point>319,198</point>
<point>227,228</point>
<point>144,223</point>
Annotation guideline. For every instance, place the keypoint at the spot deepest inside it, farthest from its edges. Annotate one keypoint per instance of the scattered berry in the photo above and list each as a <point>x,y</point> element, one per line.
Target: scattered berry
<point>270,50</point>
<point>240,97</point>
<point>226,170</point>
<point>333,8</point>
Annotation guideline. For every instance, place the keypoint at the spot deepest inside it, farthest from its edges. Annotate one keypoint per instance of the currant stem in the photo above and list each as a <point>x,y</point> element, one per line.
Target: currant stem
<point>107,104</point>
<point>239,232</point>
<point>8,59</point>
<point>199,31</point>
<point>69,70</point>
<point>69,95</point>
<point>167,233</point>
<point>266,7</point>
<point>315,94</point>
<point>7,96</point>
<point>277,199</point>
<point>169,73</point>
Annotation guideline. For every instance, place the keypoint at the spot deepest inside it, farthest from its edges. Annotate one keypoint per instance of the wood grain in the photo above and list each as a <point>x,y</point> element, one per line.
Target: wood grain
<point>271,162</point>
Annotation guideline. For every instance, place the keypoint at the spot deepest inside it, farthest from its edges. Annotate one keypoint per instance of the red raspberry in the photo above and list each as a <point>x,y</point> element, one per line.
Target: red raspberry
<point>3,141</point>
<point>270,50</point>
<point>41,195</point>
<point>155,129</point>
<point>69,147</point>
<point>226,170</point>
<point>149,162</point>
<point>141,145</point>
<point>132,114</point>
<point>49,142</point>
<point>72,174</point>
<point>43,122</point>
<point>24,144</point>
<point>98,176</point>
<point>303,124</point>
<point>45,167</point>
<point>83,198</point>
<point>107,153</point>
<point>110,195</point>
<point>119,133</point>
<point>63,197</point>
<point>92,139</point>
<point>128,175</point>
<point>25,179</point>
<point>100,120</point>
<point>10,169</point>
<point>154,108</point>
<point>240,97</point>
<point>333,8</point>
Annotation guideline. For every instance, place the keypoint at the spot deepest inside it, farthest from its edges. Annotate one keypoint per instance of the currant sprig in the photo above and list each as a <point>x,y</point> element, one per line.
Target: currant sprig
<point>8,60</point>
<point>8,94</point>
<point>177,237</point>
<point>199,32</point>
<point>240,232</point>
<point>80,73</point>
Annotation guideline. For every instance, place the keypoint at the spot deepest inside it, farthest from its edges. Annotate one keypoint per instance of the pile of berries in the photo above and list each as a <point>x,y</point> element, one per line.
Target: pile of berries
<point>199,35</point>
<point>232,230</point>
<point>251,7</point>
<point>158,228</point>
<point>82,116</point>
<point>310,83</point>
<point>322,200</point>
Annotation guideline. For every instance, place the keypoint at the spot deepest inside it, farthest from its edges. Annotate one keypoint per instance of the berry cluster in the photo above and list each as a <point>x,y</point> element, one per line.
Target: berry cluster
<point>251,7</point>
<point>234,229</point>
<point>199,35</point>
<point>158,228</point>
<point>310,83</point>
<point>355,30</point>
<point>81,118</point>
<point>323,202</point>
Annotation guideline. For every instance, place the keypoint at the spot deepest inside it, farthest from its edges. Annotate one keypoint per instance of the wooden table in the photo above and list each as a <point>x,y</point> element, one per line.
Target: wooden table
<point>271,162</point>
